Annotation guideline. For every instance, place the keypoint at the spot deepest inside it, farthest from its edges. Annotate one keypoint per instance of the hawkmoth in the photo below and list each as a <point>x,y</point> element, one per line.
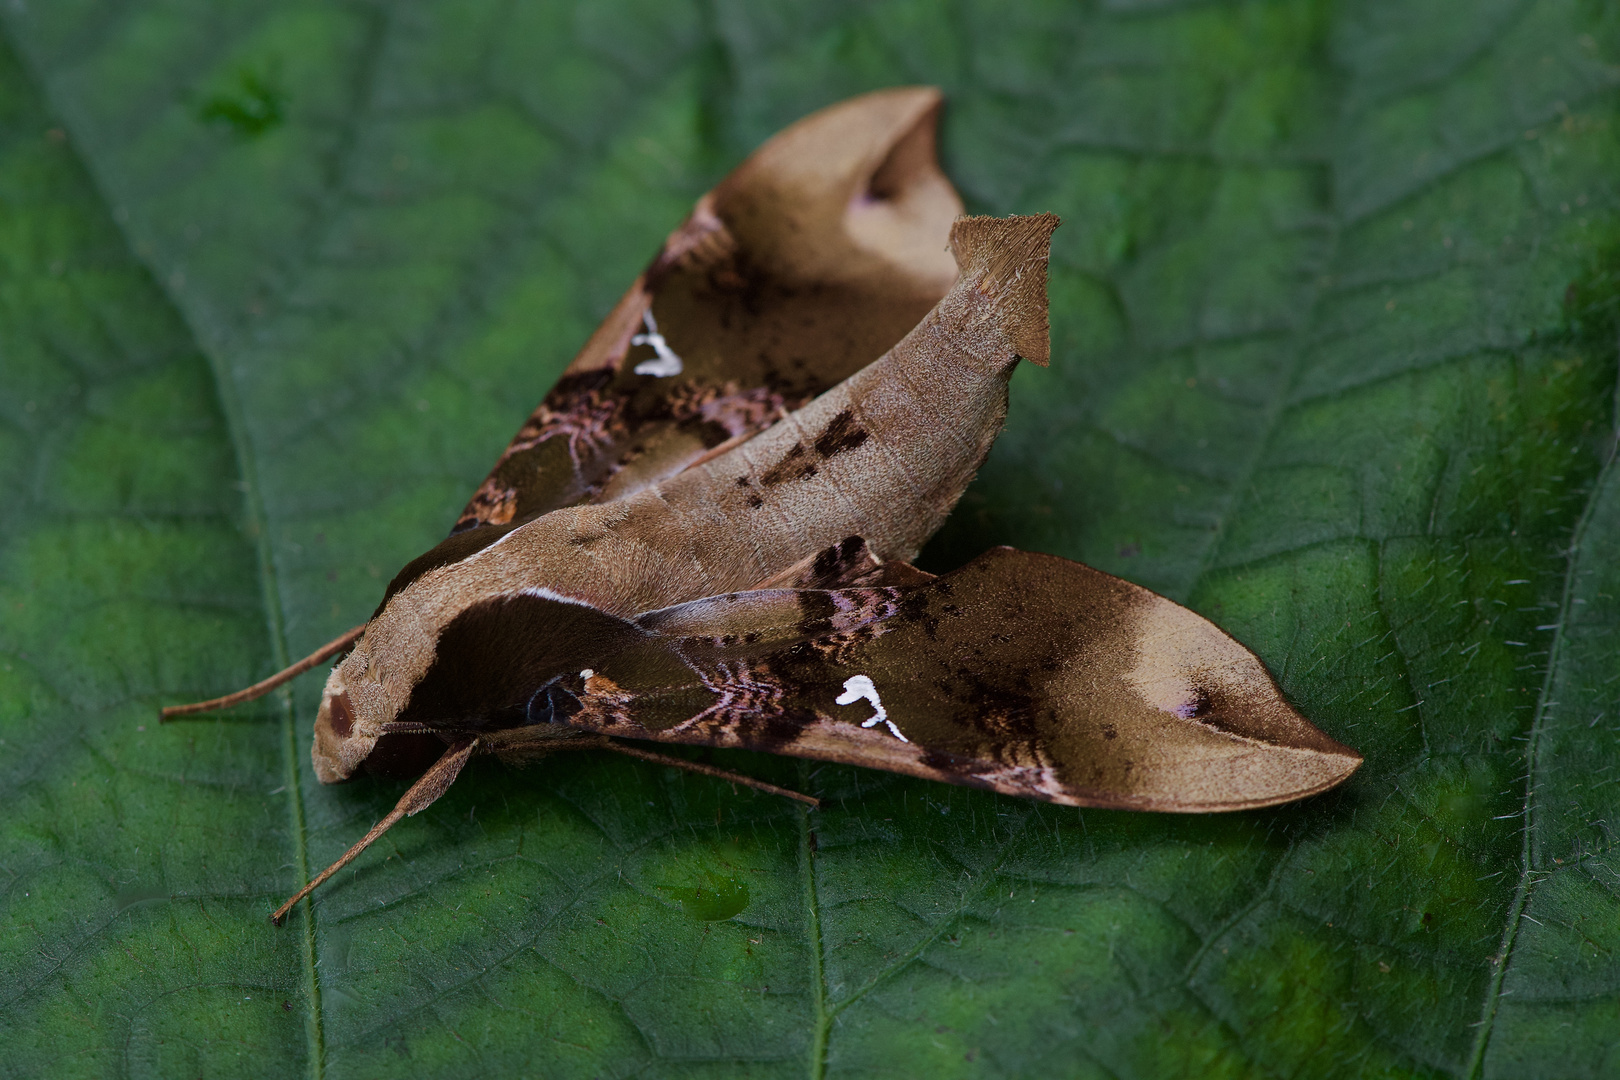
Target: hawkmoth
<point>703,534</point>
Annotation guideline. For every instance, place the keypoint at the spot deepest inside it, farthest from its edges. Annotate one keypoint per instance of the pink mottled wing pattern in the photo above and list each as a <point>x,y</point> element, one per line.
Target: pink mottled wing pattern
<point>809,261</point>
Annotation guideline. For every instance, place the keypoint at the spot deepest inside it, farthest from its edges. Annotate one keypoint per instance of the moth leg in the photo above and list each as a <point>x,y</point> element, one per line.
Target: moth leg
<point>435,782</point>
<point>259,689</point>
<point>709,770</point>
<point>515,744</point>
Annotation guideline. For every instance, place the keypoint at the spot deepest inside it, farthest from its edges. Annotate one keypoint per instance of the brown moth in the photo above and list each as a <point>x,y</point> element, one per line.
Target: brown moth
<point>704,533</point>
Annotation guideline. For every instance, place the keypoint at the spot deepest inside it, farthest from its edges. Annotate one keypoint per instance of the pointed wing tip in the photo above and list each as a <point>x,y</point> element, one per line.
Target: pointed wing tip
<point>1317,769</point>
<point>1347,762</point>
<point>1006,259</point>
<point>919,92</point>
<point>848,138</point>
<point>1302,763</point>
<point>1337,759</point>
<point>911,101</point>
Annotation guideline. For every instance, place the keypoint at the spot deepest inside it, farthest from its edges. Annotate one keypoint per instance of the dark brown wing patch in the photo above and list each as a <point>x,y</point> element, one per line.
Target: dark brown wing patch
<point>452,549</point>
<point>493,658</point>
<point>848,562</point>
<point>607,433</point>
<point>843,432</point>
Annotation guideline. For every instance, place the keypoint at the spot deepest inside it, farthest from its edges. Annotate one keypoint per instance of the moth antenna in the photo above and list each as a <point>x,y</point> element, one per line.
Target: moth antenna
<point>435,782</point>
<point>259,689</point>
<point>709,770</point>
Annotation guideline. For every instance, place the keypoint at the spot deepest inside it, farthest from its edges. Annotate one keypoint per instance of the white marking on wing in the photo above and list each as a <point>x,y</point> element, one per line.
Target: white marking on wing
<point>667,363</point>
<point>546,594</point>
<point>857,687</point>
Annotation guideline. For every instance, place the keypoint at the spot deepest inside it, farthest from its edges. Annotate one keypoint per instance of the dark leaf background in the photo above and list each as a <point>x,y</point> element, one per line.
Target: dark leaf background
<point>1334,316</point>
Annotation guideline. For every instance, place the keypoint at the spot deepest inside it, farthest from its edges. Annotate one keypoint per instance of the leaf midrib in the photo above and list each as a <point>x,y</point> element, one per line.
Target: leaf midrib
<point>255,520</point>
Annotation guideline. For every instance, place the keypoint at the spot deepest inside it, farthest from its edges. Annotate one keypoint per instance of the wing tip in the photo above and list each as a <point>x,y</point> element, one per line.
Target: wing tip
<point>1006,260</point>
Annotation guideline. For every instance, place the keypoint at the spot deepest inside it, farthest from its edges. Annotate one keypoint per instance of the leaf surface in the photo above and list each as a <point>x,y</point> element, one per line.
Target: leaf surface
<point>1334,328</point>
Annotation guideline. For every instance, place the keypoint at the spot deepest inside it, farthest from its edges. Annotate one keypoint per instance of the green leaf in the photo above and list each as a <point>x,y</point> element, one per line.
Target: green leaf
<point>1335,309</point>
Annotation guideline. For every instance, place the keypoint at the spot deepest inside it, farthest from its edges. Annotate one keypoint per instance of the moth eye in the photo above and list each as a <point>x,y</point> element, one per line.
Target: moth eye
<point>342,715</point>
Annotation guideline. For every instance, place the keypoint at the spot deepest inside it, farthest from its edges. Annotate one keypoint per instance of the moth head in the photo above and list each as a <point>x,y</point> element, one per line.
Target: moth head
<point>434,665</point>
<point>364,695</point>
<point>347,726</point>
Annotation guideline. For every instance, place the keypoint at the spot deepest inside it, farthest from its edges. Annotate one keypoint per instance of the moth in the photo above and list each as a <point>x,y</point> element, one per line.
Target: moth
<point>704,533</point>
